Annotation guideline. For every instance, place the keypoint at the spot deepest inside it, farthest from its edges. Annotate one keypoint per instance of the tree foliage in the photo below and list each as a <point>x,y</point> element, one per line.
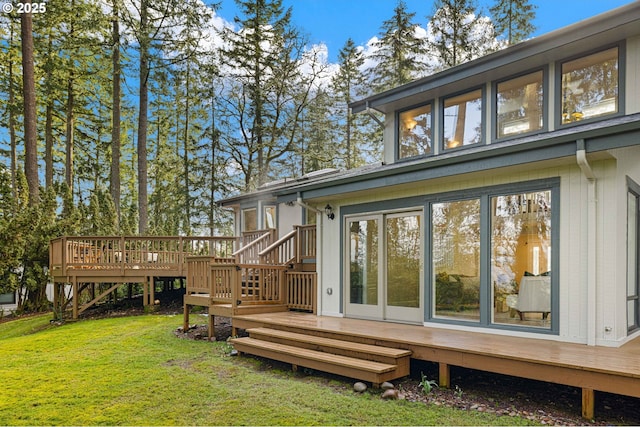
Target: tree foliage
<point>513,19</point>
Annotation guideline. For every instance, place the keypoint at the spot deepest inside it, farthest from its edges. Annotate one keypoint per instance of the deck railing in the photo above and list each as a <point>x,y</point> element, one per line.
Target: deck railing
<point>249,253</point>
<point>251,284</point>
<point>294,247</point>
<point>133,252</point>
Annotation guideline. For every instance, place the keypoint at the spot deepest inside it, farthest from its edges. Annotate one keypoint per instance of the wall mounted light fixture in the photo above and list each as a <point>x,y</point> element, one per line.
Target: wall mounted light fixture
<point>329,211</point>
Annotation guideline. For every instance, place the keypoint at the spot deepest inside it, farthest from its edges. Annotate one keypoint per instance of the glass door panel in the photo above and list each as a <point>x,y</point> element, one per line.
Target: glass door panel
<point>363,281</point>
<point>404,267</point>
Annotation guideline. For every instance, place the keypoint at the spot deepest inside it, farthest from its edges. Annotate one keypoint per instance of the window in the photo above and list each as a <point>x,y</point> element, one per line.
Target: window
<point>415,133</point>
<point>519,105</point>
<point>456,259</point>
<point>269,217</point>
<point>633,257</point>
<point>521,258</point>
<point>463,120</point>
<point>8,298</point>
<point>249,219</point>
<point>590,86</point>
<point>493,257</point>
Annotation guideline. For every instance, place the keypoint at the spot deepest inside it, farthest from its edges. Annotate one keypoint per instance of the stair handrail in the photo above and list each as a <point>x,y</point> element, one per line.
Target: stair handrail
<point>266,255</point>
<point>244,254</point>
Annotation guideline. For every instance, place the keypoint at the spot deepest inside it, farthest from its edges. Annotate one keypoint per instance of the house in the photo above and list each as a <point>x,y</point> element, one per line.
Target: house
<point>508,201</point>
<point>501,231</point>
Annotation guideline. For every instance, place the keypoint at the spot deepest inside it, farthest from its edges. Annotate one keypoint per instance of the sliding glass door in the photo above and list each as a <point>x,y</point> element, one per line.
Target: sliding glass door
<point>385,267</point>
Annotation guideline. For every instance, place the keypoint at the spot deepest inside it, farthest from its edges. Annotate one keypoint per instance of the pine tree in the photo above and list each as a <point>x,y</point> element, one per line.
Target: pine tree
<point>267,97</point>
<point>459,33</point>
<point>348,83</point>
<point>399,51</point>
<point>513,19</point>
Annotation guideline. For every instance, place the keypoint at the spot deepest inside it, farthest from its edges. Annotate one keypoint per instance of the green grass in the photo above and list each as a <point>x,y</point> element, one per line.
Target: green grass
<point>134,371</point>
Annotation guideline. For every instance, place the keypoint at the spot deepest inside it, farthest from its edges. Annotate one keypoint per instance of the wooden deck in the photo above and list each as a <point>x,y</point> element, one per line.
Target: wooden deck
<point>613,370</point>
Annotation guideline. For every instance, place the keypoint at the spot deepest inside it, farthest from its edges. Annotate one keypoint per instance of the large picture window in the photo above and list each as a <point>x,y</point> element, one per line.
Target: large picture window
<point>521,258</point>
<point>492,257</point>
<point>415,133</point>
<point>456,259</point>
<point>590,86</point>
<point>463,119</point>
<point>519,105</point>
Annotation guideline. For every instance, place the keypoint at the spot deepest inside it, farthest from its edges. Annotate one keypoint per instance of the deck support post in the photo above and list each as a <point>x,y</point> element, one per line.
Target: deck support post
<point>588,403</point>
<point>152,290</point>
<point>212,325</point>
<point>75,297</point>
<point>145,293</point>
<point>185,323</point>
<point>444,375</point>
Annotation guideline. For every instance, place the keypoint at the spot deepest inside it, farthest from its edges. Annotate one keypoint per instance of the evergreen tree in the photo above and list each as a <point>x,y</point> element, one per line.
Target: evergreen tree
<point>513,19</point>
<point>399,51</point>
<point>459,33</point>
<point>268,91</point>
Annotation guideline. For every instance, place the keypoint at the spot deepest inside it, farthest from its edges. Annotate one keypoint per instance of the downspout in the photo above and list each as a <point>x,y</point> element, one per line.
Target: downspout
<point>369,112</point>
<point>319,241</point>
<point>592,210</point>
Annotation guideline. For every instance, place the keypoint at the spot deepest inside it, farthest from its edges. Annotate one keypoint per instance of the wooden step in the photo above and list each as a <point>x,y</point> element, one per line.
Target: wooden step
<point>366,370</point>
<point>392,356</point>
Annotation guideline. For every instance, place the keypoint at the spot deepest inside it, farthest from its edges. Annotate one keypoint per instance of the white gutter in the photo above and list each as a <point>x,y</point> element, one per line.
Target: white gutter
<point>592,228</point>
<point>319,240</point>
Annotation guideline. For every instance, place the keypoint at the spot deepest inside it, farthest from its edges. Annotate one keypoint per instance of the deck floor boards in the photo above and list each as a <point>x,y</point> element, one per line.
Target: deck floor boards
<point>609,369</point>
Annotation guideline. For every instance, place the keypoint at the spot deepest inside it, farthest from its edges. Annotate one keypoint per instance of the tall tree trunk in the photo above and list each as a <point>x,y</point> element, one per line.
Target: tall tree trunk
<point>12,132</point>
<point>143,215</point>
<point>48,128</point>
<point>69,134</point>
<point>114,181</point>
<point>29,95</point>
<point>185,160</point>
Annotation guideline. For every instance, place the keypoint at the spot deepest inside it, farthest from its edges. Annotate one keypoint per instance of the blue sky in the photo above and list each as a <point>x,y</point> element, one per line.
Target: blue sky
<point>333,21</point>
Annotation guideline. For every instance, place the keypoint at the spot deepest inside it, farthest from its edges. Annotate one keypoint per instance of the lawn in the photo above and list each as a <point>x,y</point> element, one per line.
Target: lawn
<point>134,371</point>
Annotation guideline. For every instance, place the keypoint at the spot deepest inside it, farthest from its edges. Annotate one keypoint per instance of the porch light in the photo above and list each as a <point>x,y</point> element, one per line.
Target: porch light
<point>329,211</point>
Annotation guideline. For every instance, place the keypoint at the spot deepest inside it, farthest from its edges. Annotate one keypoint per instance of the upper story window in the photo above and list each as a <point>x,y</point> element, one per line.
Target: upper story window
<point>520,105</point>
<point>463,119</point>
<point>590,86</point>
<point>415,132</point>
<point>249,219</point>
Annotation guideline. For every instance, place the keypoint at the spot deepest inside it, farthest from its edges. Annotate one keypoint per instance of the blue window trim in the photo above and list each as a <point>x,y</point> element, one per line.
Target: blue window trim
<point>557,119</point>
<point>483,127</point>
<point>396,137</point>
<point>545,105</point>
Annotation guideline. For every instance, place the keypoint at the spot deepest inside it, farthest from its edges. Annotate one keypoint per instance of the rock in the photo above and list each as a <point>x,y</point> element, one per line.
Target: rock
<point>387,386</point>
<point>233,352</point>
<point>359,387</point>
<point>391,394</point>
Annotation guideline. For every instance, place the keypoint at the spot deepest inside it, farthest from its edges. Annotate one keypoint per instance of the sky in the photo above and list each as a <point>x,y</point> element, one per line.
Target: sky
<point>332,22</point>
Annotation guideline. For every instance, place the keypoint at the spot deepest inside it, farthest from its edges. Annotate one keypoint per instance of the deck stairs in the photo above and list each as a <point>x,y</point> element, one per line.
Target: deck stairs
<point>372,363</point>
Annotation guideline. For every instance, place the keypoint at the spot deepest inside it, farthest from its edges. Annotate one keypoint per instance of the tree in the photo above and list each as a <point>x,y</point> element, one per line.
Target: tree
<point>459,33</point>
<point>347,83</point>
<point>399,51</point>
<point>167,32</point>
<point>513,19</point>
<point>29,96</point>
<point>114,172</point>
<point>268,91</point>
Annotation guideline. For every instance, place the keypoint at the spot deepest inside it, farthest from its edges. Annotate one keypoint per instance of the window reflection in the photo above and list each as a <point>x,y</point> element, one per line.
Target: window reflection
<point>463,119</point>
<point>519,105</point>
<point>456,259</point>
<point>363,260</point>
<point>590,86</point>
<point>521,258</point>
<point>415,132</point>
